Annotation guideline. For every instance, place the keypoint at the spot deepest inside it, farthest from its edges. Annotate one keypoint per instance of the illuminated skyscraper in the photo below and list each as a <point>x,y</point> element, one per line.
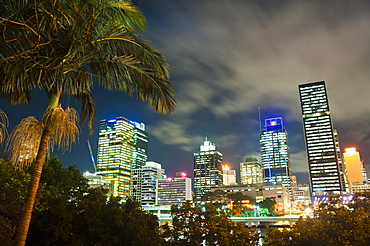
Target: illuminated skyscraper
<point>122,146</point>
<point>327,172</point>
<point>250,171</point>
<point>207,169</point>
<point>228,175</point>
<point>275,153</point>
<point>353,166</point>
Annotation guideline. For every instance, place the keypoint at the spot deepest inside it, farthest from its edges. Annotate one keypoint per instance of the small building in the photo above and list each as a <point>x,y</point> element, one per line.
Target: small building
<point>261,191</point>
<point>174,190</point>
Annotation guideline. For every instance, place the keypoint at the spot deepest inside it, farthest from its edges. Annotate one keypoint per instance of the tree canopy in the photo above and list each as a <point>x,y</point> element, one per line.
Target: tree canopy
<point>69,212</point>
<point>192,225</point>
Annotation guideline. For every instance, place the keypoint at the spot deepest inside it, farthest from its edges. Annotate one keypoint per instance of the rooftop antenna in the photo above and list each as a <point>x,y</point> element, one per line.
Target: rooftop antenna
<point>259,118</point>
<point>91,155</point>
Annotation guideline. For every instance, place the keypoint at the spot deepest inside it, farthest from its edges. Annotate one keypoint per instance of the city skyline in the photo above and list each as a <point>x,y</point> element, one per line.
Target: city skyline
<point>229,59</point>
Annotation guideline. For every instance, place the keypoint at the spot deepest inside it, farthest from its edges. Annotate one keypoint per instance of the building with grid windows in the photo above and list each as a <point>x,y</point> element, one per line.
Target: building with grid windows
<point>326,168</point>
<point>122,146</point>
<point>207,169</point>
<point>174,190</point>
<point>250,171</point>
<point>275,157</point>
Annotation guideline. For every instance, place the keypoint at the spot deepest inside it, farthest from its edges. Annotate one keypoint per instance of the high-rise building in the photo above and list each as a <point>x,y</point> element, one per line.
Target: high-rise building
<point>327,172</point>
<point>250,171</point>
<point>228,175</point>
<point>152,171</point>
<point>275,153</point>
<point>95,181</point>
<point>207,169</point>
<point>353,166</point>
<point>174,190</point>
<point>122,146</point>
<point>144,182</point>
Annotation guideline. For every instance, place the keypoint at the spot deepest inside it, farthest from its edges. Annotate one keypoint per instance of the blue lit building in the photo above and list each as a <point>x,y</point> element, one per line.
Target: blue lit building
<point>122,146</point>
<point>275,157</point>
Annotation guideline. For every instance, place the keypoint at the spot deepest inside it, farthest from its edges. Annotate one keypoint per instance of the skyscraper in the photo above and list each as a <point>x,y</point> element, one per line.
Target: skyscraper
<point>207,169</point>
<point>122,146</point>
<point>275,153</point>
<point>228,175</point>
<point>327,172</point>
<point>353,166</point>
<point>250,171</point>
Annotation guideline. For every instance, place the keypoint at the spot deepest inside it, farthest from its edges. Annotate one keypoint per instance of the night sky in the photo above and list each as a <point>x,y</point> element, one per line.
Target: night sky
<point>227,58</point>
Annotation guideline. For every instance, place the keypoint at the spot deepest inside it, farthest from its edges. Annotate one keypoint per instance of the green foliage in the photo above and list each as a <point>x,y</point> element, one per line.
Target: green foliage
<point>328,228</point>
<point>68,212</point>
<point>268,203</point>
<point>13,188</point>
<point>61,46</point>
<point>219,198</point>
<point>193,226</point>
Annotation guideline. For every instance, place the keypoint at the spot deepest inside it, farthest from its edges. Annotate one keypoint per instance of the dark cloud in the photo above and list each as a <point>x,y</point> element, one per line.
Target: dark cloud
<point>229,57</point>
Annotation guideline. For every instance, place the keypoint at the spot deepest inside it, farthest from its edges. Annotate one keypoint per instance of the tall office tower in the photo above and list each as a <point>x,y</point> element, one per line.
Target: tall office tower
<point>353,166</point>
<point>327,172</point>
<point>250,171</point>
<point>174,190</point>
<point>275,153</point>
<point>228,175</point>
<point>122,146</point>
<point>207,169</point>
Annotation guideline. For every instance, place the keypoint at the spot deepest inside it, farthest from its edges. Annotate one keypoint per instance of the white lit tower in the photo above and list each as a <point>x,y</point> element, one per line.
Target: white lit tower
<point>327,171</point>
<point>250,171</point>
<point>207,169</point>
<point>275,158</point>
<point>122,147</point>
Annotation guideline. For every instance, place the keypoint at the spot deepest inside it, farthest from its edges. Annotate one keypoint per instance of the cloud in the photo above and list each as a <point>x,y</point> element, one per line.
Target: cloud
<point>228,58</point>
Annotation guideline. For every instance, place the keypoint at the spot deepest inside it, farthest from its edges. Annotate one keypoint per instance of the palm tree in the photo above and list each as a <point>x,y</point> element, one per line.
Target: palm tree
<point>3,125</point>
<point>63,47</point>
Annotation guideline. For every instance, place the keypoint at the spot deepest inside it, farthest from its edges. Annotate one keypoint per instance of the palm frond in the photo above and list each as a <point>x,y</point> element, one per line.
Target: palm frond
<point>23,142</point>
<point>3,125</point>
<point>63,126</point>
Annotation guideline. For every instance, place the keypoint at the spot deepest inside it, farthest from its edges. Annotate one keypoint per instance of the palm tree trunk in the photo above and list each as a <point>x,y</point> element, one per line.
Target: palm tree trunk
<point>24,223</point>
<point>32,189</point>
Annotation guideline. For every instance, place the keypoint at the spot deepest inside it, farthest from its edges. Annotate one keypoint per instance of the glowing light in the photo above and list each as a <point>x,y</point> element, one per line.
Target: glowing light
<point>351,150</point>
<point>169,179</point>
<point>225,167</point>
<point>273,123</point>
<point>112,121</point>
<point>183,174</point>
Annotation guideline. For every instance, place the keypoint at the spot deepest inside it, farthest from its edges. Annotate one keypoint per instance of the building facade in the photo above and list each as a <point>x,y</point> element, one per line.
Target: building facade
<point>207,169</point>
<point>353,166</point>
<point>250,171</point>
<point>261,191</point>
<point>174,190</point>
<point>152,172</point>
<point>122,146</point>
<point>327,172</point>
<point>228,175</point>
<point>275,158</point>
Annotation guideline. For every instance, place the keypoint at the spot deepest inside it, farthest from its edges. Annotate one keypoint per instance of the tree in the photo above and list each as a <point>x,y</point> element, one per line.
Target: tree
<point>194,226</point>
<point>268,203</point>
<point>13,188</point>
<point>62,47</point>
<point>68,212</point>
<point>337,226</point>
